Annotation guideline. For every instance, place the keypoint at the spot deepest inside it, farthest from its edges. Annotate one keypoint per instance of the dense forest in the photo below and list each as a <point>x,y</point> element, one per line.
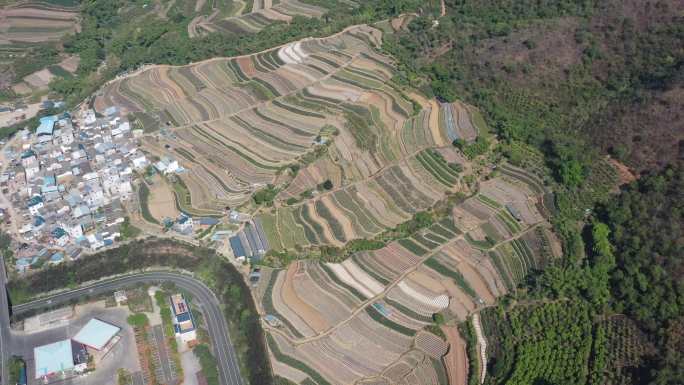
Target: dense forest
<point>610,71</point>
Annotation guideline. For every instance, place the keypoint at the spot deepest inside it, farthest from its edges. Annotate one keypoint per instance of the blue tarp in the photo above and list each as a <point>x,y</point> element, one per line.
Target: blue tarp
<point>22,375</point>
<point>57,257</point>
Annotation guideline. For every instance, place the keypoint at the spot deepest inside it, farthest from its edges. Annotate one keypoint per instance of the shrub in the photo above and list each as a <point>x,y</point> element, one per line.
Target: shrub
<point>138,320</point>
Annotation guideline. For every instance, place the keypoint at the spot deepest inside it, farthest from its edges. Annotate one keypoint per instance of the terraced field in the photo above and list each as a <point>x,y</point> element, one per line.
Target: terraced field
<point>348,155</point>
<point>363,320</point>
<point>35,22</point>
<point>238,124</point>
<point>262,14</point>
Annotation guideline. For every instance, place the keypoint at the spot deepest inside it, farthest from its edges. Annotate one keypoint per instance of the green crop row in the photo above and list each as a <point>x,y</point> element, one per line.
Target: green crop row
<point>489,201</point>
<point>412,246</point>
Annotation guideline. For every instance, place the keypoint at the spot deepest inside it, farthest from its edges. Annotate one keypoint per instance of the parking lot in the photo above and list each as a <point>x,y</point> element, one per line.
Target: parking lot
<point>165,368</point>
<point>122,355</point>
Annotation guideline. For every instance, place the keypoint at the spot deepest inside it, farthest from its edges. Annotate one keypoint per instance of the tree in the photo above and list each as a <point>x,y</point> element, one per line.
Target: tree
<point>438,318</point>
<point>571,172</point>
<point>208,363</point>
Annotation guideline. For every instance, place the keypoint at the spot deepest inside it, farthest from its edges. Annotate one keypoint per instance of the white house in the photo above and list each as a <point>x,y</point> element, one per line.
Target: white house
<point>140,162</point>
<point>95,241</point>
<point>75,230</point>
<point>35,204</point>
<point>167,165</point>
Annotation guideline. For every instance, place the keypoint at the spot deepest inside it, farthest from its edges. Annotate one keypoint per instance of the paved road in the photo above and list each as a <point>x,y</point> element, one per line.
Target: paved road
<point>4,326</point>
<point>229,371</point>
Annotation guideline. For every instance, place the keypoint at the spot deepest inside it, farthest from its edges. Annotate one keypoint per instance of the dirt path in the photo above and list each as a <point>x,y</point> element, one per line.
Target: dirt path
<point>481,345</point>
<point>3,200</point>
<point>10,117</point>
<point>455,360</point>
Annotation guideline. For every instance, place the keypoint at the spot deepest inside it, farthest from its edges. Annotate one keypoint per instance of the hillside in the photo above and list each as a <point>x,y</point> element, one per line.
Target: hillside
<point>609,71</point>
<point>466,191</point>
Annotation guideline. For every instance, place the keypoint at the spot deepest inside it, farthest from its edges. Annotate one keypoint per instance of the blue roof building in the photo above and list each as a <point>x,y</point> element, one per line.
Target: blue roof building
<point>49,180</point>
<point>183,322</point>
<point>47,125</point>
<point>36,199</point>
<point>38,221</point>
<point>96,334</point>
<point>57,258</point>
<point>28,154</point>
<point>53,358</point>
<point>58,232</point>
<point>236,245</point>
<point>208,221</point>
<point>23,264</point>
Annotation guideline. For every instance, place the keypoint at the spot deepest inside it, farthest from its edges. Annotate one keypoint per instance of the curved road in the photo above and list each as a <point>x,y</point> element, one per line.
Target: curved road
<point>229,372</point>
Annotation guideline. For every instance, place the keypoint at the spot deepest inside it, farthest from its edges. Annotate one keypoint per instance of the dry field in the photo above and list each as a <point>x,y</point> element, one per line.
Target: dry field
<point>35,23</point>
<point>161,201</point>
<point>363,320</point>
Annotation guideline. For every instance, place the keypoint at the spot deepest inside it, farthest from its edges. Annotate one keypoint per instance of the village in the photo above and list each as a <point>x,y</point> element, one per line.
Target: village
<point>65,185</point>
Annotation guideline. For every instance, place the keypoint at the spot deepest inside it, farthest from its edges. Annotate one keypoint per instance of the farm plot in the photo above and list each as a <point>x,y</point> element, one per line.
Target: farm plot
<point>365,343</point>
<point>36,22</point>
<point>362,319</point>
<point>517,257</point>
<point>161,201</point>
<point>262,14</point>
<point>364,209</point>
<point>457,121</point>
<point>237,122</point>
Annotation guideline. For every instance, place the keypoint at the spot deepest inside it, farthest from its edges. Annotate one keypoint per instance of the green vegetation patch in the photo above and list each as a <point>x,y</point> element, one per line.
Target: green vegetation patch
<point>143,198</point>
<point>412,246</point>
<point>547,342</point>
